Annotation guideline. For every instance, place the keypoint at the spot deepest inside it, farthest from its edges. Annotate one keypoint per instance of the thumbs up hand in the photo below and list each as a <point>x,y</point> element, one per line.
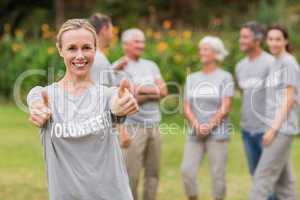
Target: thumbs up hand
<point>40,111</point>
<point>124,103</point>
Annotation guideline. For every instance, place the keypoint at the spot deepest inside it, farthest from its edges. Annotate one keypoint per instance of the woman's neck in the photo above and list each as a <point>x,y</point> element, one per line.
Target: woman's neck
<point>280,54</point>
<point>209,67</point>
<point>75,84</point>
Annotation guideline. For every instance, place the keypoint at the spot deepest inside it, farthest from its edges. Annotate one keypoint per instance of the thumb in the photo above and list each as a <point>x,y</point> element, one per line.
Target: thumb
<point>124,84</point>
<point>45,98</point>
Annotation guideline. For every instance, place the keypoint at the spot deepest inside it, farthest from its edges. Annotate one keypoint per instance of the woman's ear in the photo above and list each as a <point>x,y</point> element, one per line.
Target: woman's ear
<point>59,49</point>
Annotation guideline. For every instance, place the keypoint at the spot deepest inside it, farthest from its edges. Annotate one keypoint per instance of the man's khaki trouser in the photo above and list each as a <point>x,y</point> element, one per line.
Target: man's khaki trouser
<point>143,152</point>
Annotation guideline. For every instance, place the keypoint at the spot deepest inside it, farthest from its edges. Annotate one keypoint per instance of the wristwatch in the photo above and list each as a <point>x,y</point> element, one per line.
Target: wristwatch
<point>117,119</point>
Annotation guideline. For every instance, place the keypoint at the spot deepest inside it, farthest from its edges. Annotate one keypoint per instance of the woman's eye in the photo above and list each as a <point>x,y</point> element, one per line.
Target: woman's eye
<point>87,48</point>
<point>71,48</point>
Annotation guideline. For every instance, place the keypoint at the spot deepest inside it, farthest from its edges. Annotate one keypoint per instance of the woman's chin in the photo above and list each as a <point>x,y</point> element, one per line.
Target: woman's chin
<point>81,72</point>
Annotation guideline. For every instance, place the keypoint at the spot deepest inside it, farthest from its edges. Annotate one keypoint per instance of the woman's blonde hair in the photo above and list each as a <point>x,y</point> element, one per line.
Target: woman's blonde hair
<point>75,24</point>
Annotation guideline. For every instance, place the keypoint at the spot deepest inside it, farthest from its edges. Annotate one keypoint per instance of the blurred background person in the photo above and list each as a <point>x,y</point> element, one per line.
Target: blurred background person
<point>274,170</point>
<point>102,71</point>
<point>251,73</point>
<point>207,103</point>
<point>140,137</point>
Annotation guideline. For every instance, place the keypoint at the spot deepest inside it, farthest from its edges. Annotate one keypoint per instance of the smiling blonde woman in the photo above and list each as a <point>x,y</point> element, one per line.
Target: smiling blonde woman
<point>82,154</point>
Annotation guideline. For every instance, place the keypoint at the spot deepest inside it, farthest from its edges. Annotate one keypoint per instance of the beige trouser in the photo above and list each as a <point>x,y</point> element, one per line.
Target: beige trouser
<point>143,152</point>
<point>274,171</point>
<point>193,155</point>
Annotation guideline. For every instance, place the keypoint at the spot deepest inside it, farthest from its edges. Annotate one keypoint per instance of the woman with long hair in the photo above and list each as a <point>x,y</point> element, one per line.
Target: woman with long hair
<point>274,173</point>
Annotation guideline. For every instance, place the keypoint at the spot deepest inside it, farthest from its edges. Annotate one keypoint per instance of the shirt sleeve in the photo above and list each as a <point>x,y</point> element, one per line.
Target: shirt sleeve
<point>156,72</point>
<point>228,86</point>
<point>34,95</point>
<point>291,73</point>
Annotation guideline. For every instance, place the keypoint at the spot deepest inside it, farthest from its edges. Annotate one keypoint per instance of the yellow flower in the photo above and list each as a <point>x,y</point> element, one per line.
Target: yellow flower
<point>162,46</point>
<point>187,34</point>
<point>15,47</point>
<point>115,30</point>
<point>173,33</point>
<point>19,33</point>
<point>51,50</point>
<point>114,41</point>
<point>167,24</point>
<point>45,27</point>
<point>7,28</point>
<point>48,34</point>
<point>105,51</point>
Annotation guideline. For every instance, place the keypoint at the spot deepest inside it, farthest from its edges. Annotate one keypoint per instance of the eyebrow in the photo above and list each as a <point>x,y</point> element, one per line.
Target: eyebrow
<point>72,44</point>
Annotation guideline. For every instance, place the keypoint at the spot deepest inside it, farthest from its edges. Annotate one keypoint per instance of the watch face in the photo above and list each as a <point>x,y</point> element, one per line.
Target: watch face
<point>122,119</point>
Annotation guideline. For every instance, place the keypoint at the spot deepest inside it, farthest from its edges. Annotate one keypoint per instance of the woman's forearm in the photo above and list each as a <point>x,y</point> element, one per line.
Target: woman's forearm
<point>189,115</point>
<point>288,102</point>
<point>219,116</point>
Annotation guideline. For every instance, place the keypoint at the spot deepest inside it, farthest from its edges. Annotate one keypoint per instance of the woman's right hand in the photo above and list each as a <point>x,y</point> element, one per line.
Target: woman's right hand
<point>40,111</point>
<point>269,137</point>
<point>202,130</point>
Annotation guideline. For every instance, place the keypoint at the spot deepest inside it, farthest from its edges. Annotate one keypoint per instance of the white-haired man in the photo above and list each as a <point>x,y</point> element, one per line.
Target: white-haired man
<point>140,137</point>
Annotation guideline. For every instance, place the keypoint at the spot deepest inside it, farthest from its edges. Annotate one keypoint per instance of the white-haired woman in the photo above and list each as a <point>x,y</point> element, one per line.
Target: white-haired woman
<point>207,102</point>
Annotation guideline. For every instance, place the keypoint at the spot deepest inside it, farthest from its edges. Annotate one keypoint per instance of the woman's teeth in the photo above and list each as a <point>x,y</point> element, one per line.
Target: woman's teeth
<point>79,65</point>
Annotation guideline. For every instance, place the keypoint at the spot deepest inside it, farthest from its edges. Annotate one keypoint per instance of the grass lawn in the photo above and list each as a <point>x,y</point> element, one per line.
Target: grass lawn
<point>22,175</point>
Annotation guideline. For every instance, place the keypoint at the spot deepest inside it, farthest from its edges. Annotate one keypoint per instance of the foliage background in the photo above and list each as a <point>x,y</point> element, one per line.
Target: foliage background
<point>27,39</point>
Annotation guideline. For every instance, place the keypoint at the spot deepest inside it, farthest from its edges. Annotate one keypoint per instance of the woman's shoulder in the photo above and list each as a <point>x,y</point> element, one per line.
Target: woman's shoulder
<point>289,60</point>
<point>224,73</point>
<point>193,77</point>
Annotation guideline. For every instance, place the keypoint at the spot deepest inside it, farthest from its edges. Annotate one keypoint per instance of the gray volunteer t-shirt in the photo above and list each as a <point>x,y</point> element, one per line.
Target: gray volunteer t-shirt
<point>102,71</point>
<point>284,73</point>
<point>251,76</point>
<point>205,93</point>
<point>82,155</point>
<point>142,72</point>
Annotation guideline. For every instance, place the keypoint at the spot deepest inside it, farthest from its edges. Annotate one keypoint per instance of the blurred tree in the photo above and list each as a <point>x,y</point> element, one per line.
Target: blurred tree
<point>66,9</point>
<point>15,11</point>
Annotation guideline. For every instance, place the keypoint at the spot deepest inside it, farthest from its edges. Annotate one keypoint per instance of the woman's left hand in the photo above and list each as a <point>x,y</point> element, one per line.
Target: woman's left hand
<point>269,137</point>
<point>124,103</point>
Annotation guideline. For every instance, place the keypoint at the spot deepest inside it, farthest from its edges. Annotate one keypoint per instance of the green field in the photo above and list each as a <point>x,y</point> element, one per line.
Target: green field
<point>22,175</point>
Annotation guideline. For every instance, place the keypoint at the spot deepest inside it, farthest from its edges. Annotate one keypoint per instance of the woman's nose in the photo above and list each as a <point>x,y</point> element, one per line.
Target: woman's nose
<point>79,54</point>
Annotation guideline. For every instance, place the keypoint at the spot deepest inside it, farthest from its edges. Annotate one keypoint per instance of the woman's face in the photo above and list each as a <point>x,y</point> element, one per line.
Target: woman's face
<point>78,51</point>
<point>276,42</point>
<point>207,54</point>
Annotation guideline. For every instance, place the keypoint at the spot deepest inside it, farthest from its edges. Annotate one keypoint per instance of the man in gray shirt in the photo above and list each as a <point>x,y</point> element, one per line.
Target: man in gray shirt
<point>102,71</point>
<point>251,74</point>
<point>143,149</point>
